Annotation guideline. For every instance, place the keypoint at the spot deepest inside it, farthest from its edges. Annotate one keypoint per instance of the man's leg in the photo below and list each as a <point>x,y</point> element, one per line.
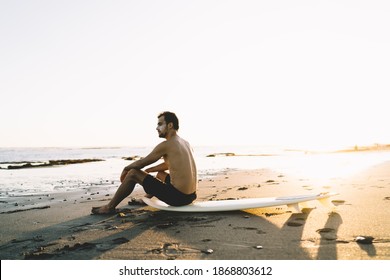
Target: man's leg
<point>161,175</point>
<point>133,177</point>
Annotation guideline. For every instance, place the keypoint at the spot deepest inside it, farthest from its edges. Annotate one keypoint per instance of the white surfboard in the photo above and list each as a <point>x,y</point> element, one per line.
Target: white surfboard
<point>293,203</point>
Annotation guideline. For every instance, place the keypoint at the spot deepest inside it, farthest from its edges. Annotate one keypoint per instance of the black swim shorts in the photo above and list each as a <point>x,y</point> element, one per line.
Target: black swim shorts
<point>166,192</point>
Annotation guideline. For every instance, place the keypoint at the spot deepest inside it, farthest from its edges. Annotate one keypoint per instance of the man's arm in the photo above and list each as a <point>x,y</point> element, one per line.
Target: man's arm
<point>158,152</point>
<point>161,167</point>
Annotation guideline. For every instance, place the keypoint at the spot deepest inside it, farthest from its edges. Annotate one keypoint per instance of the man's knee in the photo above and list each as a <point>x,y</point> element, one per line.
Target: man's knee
<point>136,175</point>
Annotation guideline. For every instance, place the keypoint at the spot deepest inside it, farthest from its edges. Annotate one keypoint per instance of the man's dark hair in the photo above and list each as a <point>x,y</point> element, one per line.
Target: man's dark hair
<point>170,118</point>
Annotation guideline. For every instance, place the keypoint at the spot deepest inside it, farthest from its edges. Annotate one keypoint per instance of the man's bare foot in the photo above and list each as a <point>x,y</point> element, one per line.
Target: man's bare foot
<point>103,210</point>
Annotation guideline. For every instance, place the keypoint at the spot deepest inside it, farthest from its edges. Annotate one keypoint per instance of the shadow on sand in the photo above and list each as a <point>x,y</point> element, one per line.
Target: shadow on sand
<point>143,233</point>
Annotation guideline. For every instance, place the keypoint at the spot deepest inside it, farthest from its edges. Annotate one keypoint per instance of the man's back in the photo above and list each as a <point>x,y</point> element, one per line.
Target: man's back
<point>181,163</point>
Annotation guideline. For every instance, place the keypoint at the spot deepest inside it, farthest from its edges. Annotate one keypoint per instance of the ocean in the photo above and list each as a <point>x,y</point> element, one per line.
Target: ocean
<point>211,161</point>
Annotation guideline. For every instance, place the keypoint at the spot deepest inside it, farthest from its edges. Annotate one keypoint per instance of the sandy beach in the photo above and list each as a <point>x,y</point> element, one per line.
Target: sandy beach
<point>60,226</point>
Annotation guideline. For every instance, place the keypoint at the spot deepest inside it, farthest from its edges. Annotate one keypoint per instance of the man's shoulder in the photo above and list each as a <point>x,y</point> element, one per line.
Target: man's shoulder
<point>175,143</point>
<point>166,144</point>
<point>162,144</point>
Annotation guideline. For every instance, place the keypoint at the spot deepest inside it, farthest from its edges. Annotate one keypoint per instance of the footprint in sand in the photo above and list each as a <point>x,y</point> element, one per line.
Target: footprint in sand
<point>170,250</point>
<point>327,233</point>
<point>258,231</point>
<point>294,224</point>
<point>120,240</point>
<point>338,202</point>
<point>297,221</point>
<point>166,225</point>
<point>325,230</point>
<point>272,182</point>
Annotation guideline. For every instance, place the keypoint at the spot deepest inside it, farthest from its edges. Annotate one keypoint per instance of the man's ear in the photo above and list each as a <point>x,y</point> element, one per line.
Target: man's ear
<point>170,125</point>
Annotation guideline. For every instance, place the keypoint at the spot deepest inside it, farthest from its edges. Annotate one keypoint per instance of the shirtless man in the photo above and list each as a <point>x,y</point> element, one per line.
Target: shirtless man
<point>176,188</point>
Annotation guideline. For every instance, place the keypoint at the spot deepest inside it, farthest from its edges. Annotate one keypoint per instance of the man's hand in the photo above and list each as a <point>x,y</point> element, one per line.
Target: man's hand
<point>161,167</point>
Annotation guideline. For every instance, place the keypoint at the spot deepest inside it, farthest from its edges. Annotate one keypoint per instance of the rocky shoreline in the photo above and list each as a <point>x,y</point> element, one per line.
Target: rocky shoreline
<point>34,164</point>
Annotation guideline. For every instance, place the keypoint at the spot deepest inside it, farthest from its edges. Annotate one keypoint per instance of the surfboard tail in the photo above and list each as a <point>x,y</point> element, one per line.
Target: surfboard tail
<point>326,202</point>
<point>298,207</point>
<point>294,208</point>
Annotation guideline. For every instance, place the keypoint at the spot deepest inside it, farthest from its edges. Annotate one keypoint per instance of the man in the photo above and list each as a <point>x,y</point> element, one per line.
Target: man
<point>176,188</point>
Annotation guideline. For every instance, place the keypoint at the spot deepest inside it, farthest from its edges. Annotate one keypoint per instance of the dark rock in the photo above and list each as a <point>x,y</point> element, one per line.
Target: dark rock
<point>21,165</point>
<point>132,158</point>
<point>364,239</point>
<point>208,251</point>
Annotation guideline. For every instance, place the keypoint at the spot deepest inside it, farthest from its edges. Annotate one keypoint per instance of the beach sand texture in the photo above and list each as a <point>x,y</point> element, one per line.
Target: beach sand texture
<point>60,226</point>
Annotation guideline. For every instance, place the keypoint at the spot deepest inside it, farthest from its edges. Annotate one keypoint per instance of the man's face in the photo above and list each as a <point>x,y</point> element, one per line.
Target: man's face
<point>162,127</point>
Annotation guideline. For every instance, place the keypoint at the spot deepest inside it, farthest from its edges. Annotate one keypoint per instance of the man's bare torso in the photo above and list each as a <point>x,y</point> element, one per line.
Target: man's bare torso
<point>181,164</point>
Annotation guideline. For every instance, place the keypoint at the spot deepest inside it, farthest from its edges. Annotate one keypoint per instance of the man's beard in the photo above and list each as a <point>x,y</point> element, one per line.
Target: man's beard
<point>162,134</point>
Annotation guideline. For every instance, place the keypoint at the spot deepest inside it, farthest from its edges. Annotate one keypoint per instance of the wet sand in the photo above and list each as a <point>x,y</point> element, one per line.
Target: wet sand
<point>60,226</point>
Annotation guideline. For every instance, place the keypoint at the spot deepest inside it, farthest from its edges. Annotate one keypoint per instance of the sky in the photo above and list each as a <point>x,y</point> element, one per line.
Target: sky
<point>97,73</point>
